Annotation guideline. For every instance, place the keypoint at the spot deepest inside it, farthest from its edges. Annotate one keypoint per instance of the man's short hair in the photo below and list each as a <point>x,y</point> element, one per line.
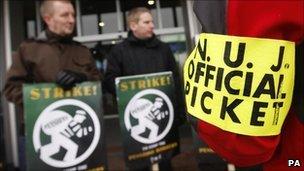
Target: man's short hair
<point>134,14</point>
<point>46,6</point>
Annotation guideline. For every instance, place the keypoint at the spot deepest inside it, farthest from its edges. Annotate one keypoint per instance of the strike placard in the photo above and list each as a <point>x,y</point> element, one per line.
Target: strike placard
<point>147,118</point>
<point>64,129</point>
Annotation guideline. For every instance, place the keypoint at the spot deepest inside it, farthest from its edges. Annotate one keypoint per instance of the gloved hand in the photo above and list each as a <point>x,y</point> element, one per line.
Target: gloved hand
<point>67,78</point>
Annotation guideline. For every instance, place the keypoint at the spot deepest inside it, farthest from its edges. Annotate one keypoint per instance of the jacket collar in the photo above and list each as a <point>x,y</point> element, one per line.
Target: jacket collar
<point>52,37</point>
<point>151,42</point>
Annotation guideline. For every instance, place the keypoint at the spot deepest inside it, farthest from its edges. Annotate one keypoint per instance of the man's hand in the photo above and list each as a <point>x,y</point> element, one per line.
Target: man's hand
<point>67,78</point>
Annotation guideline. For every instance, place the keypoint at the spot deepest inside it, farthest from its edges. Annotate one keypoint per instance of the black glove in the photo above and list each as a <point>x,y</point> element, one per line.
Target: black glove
<point>67,78</point>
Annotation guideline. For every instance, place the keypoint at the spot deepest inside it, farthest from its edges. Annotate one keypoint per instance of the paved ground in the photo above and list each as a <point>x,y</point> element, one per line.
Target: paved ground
<point>185,161</point>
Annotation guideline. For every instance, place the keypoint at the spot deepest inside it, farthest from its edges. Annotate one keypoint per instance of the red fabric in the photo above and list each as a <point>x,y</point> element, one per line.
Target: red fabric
<point>264,19</point>
<point>238,149</point>
<point>291,146</point>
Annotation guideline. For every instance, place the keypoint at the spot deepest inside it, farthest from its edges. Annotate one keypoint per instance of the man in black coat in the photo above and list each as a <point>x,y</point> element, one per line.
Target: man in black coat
<point>142,53</point>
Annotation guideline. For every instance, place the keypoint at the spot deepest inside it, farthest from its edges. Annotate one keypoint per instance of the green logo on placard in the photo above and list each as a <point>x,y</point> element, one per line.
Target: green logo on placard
<point>149,116</point>
<point>67,129</point>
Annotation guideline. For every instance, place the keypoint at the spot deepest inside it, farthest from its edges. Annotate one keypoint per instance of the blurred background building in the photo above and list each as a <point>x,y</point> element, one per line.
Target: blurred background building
<point>100,25</point>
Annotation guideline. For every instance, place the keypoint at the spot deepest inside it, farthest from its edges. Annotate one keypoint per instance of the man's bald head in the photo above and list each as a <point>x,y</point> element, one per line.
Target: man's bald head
<point>59,16</point>
<point>47,6</point>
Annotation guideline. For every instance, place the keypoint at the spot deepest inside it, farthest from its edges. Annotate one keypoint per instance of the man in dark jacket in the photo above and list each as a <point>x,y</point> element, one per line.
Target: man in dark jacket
<point>52,57</point>
<point>140,53</point>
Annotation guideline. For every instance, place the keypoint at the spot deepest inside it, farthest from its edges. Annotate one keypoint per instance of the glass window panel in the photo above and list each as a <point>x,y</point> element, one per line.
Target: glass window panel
<point>174,18</point>
<point>110,23</point>
<point>105,11</point>
<point>89,24</point>
<point>180,18</point>
<point>167,17</point>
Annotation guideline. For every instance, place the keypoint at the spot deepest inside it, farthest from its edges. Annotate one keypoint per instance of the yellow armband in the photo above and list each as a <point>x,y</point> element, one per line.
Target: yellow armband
<point>240,84</point>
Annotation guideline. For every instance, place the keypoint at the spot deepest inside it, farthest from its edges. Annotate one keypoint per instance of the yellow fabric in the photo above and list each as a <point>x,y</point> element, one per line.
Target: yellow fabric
<point>240,84</point>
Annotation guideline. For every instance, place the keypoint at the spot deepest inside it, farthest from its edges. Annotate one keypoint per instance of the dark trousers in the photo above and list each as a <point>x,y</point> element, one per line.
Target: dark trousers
<point>21,155</point>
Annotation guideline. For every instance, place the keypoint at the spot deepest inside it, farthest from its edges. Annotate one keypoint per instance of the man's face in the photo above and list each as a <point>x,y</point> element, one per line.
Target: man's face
<point>143,29</point>
<point>62,20</point>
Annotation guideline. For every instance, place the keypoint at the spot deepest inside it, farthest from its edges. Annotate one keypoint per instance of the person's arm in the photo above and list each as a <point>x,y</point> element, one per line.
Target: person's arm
<point>87,71</point>
<point>113,70</point>
<point>15,77</point>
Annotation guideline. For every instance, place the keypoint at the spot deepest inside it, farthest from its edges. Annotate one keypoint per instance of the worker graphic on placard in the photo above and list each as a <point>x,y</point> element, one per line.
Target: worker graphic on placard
<point>61,131</point>
<point>148,113</point>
